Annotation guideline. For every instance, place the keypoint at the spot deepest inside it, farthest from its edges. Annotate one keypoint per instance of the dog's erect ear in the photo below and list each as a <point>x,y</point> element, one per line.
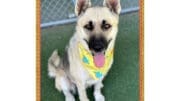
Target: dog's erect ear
<point>81,6</point>
<point>113,5</point>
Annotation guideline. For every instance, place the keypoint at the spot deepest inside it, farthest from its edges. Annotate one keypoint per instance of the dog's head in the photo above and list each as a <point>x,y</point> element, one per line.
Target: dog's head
<point>97,26</point>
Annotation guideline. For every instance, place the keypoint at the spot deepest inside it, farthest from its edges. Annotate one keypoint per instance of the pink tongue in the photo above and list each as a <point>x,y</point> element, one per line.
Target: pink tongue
<point>99,60</point>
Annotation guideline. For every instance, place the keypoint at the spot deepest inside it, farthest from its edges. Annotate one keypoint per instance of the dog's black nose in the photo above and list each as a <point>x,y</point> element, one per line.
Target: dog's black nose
<point>97,44</point>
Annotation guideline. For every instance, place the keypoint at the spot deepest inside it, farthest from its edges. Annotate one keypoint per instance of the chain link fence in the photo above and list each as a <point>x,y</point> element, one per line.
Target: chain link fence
<point>55,12</point>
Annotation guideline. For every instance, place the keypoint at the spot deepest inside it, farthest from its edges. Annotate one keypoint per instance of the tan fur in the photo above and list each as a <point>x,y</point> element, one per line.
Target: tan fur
<point>66,78</point>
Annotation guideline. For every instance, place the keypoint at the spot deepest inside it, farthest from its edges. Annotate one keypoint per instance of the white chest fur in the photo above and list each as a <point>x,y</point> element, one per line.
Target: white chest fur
<point>87,78</point>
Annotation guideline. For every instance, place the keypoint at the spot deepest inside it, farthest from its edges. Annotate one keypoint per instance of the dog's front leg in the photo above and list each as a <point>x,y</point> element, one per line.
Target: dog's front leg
<point>97,92</point>
<point>82,91</point>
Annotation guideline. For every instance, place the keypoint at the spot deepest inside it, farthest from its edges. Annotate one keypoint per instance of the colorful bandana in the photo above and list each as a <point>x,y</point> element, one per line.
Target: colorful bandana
<point>87,61</point>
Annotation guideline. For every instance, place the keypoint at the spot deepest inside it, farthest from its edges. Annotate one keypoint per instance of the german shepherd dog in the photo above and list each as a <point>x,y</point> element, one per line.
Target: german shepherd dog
<point>89,54</point>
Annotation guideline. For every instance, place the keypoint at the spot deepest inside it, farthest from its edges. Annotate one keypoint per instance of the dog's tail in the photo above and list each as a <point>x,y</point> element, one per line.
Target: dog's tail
<point>53,64</point>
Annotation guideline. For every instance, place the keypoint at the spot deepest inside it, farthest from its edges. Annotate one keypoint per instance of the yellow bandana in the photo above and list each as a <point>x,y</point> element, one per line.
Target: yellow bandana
<point>87,61</point>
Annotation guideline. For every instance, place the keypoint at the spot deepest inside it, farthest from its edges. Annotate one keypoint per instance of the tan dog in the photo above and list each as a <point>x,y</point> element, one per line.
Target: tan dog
<point>96,32</point>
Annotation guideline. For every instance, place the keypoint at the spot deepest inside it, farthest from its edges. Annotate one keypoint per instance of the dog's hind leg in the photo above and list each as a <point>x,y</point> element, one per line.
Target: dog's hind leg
<point>97,92</point>
<point>64,85</point>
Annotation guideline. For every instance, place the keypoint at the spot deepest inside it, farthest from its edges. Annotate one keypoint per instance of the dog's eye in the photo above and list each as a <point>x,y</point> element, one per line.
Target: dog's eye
<point>89,26</point>
<point>105,25</point>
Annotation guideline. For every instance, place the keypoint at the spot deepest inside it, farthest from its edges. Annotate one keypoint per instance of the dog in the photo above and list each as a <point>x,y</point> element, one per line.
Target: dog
<point>89,54</point>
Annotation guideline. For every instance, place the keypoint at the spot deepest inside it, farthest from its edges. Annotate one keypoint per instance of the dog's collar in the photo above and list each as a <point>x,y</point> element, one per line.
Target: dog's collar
<point>88,64</point>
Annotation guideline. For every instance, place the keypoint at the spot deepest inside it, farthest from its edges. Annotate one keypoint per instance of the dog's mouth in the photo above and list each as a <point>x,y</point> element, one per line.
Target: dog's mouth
<point>98,47</point>
<point>98,58</point>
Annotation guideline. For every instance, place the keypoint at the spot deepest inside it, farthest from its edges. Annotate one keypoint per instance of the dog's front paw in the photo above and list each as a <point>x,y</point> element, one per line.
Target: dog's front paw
<point>99,97</point>
<point>84,100</point>
<point>70,99</point>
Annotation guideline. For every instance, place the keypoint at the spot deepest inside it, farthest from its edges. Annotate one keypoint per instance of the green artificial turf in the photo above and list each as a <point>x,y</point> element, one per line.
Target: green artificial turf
<point>121,83</point>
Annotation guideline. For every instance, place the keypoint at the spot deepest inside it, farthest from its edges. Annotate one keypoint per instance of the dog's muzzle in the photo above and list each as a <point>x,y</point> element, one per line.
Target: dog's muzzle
<point>97,44</point>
